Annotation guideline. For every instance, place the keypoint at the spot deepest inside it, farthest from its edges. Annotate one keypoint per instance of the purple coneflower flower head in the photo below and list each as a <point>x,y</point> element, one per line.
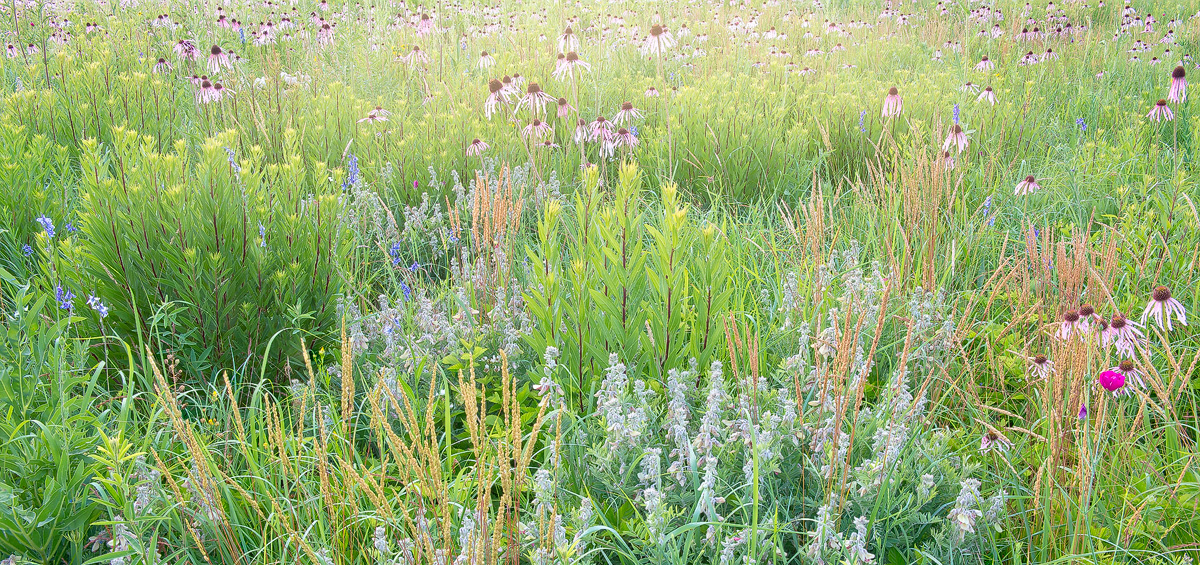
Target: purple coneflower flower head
<point>1160,112</point>
<point>1040,367</point>
<point>1162,307</point>
<point>583,131</point>
<point>536,129</point>
<point>535,99</point>
<point>376,115</point>
<point>217,60</point>
<point>969,87</point>
<point>162,66</point>
<point>652,92</point>
<point>892,103</point>
<point>1071,325</point>
<point>658,42</point>
<point>625,138</point>
<point>957,138</point>
<point>1130,372</point>
<point>1123,334</point>
<point>325,35</point>
<point>564,108</point>
<point>476,148</point>
<point>497,97</point>
<point>425,25</point>
<point>568,41</point>
<point>1027,186</point>
<point>486,61</point>
<point>569,64</point>
<point>1112,381</point>
<point>415,57</point>
<point>1178,92</point>
<point>186,50</point>
<point>988,95</point>
<point>994,440</point>
<point>984,64</point>
<point>627,114</point>
<point>948,160</point>
<point>602,129</point>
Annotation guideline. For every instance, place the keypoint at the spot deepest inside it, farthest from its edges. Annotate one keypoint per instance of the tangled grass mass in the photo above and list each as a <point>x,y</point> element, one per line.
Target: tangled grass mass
<point>482,282</point>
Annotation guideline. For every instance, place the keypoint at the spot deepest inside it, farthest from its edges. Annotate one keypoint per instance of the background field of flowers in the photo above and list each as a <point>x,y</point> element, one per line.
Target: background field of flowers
<point>677,282</point>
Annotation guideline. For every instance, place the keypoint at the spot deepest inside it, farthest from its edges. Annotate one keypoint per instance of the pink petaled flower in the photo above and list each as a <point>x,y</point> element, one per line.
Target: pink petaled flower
<point>1027,186</point>
<point>1070,326</point>
<point>1040,367</point>
<point>1087,315</point>
<point>985,64</point>
<point>536,129</point>
<point>988,95</point>
<point>568,41</point>
<point>948,160</point>
<point>376,115</point>
<point>162,66</point>
<point>186,50</point>
<point>218,59</point>
<point>583,132</point>
<point>994,440</point>
<point>624,138</point>
<point>627,114</point>
<point>497,97</point>
<point>425,25</point>
<point>476,148</point>
<point>486,61</point>
<point>1130,373</point>
<point>1113,382</point>
<point>1162,307</point>
<point>204,93</point>
<point>652,92</point>
<point>892,103</point>
<point>568,64</point>
<point>658,42</point>
<point>535,99</point>
<point>1160,112</point>
<point>548,144</point>
<point>602,129</point>
<point>325,35</point>
<point>969,87</point>
<point>1178,92</point>
<point>1123,334</point>
<point>957,138</point>
<point>564,108</point>
<point>414,57</point>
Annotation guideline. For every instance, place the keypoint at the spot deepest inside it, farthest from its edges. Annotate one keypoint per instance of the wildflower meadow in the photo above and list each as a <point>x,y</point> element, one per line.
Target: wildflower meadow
<point>483,282</point>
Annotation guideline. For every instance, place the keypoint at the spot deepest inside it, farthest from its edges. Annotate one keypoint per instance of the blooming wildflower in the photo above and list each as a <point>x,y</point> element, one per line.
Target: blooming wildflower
<point>186,50</point>
<point>627,113</point>
<point>64,297</point>
<point>988,95</point>
<point>162,66</point>
<point>47,224</point>
<point>994,440</point>
<point>498,95</point>
<point>1083,411</point>
<point>1113,382</point>
<point>568,41</point>
<point>862,116</point>
<point>1070,325</point>
<point>957,138</point>
<point>985,64</point>
<point>394,252</point>
<point>1040,366</point>
<point>486,61</point>
<point>1027,186</point>
<point>964,514</point>
<point>1122,333</point>
<point>893,104</point>
<point>602,129</point>
<point>414,57</point>
<point>564,108</point>
<point>537,129</point>
<point>94,303</point>
<point>26,250</point>
<point>569,64</point>
<point>1082,124</point>
<point>476,148</point>
<point>376,115</point>
<point>583,132</point>
<point>652,92</point>
<point>1161,112</point>
<point>969,87</point>
<point>406,290</point>
<point>658,42</point>
<point>217,60</point>
<point>956,113</point>
<point>1163,306</point>
<point>624,138</point>
<point>425,25</point>
<point>325,35</point>
<point>535,99</point>
<point>1130,372</point>
<point>1178,92</point>
<point>948,160</point>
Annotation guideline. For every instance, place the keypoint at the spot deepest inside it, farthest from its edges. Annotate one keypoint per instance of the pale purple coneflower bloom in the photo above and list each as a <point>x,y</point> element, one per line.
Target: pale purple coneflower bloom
<point>1123,334</point>
<point>625,138</point>
<point>658,42</point>
<point>1178,92</point>
<point>994,441</point>
<point>627,114</point>
<point>1070,325</point>
<point>1087,315</point>
<point>376,115</point>
<point>1160,112</point>
<point>486,61</point>
<point>548,144</point>
<point>988,95</point>
<point>497,97</point>
<point>535,99</point>
<point>217,60</point>
<point>1132,375</point>
<point>602,129</point>
<point>162,66</point>
<point>568,41</point>
<point>517,80</point>
<point>969,87</point>
<point>476,148</point>
<point>564,108</point>
<point>1162,307</point>
<point>1028,185</point>
<point>893,104</point>
<point>325,35</point>
<point>1040,367</point>
<point>583,131</point>
<point>957,138</point>
<point>415,57</point>
<point>186,50</point>
<point>652,92</point>
<point>425,25</point>
<point>537,129</point>
<point>1050,55</point>
<point>569,64</point>
<point>985,64</point>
